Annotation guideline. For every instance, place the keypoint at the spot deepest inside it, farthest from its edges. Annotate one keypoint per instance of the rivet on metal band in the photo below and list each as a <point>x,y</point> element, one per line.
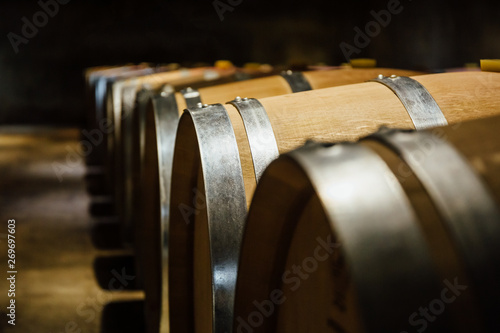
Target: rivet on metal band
<point>259,131</point>
<point>225,204</point>
<point>367,205</point>
<point>463,200</point>
<point>296,80</point>
<point>166,115</point>
<point>421,106</point>
<point>191,96</point>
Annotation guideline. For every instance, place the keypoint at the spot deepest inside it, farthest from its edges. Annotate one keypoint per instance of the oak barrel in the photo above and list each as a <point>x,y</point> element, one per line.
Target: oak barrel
<point>396,233</point>
<point>152,191</point>
<point>214,174</point>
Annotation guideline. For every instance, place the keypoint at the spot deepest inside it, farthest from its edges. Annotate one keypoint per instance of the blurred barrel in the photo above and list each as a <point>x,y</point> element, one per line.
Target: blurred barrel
<point>128,165</point>
<point>131,97</point>
<point>396,233</point>
<point>96,134</point>
<point>219,154</point>
<point>99,82</point>
<point>288,83</point>
<point>121,101</point>
<point>151,181</point>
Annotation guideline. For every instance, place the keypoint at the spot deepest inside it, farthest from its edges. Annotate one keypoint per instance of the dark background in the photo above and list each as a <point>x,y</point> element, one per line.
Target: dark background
<point>43,82</point>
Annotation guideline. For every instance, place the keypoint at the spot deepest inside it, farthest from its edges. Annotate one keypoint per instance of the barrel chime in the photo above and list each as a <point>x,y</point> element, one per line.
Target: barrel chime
<point>329,200</point>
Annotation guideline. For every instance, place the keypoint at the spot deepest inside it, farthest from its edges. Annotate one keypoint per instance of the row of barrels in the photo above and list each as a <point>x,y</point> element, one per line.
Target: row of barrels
<point>394,233</point>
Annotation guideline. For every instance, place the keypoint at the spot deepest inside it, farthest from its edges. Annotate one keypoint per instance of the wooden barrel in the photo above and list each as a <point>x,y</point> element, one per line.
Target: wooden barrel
<point>129,126</point>
<point>92,132</point>
<point>151,203</point>
<point>122,97</point>
<point>277,85</point>
<point>259,88</point>
<point>214,174</point>
<point>99,82</point>
<point>396,233</point>
<point>127,160</point>
<point>121,101</point>
<point>115,90</point>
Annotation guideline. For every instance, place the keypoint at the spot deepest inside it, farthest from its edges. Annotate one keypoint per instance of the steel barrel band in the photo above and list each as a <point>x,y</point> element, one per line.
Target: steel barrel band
<point>419,103</point>
<point>284,111</point>
<point>191,96</point>
<point>225,202</point>
<point>412,94</point>
<point>353,194</point>
<point>259,132</point>
<point>463,200</point>
<point>296,80</point>
<point>263,88</point>
<point>166,120</point>
<point>398,272</point>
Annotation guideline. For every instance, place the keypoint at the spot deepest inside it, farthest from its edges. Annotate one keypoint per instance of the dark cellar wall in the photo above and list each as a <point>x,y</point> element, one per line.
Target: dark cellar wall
<point>43,83</point>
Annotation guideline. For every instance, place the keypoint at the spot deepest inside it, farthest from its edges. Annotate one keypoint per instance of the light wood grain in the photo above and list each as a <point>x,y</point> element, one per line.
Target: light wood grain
<point>346,113</point>
<point>342,113</point>
<point>284,220</point>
